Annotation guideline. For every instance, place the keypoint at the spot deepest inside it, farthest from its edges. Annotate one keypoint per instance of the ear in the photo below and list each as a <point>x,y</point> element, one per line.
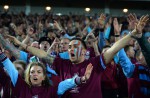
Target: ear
<point>83,51</point>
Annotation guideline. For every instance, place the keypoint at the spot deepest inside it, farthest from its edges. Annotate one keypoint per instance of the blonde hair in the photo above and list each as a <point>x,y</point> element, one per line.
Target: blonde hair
<point>45,82</point>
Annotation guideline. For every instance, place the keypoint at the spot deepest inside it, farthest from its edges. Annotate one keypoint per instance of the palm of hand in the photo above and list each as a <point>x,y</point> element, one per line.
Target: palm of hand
<point>88,71</point>
<point>141,24</point>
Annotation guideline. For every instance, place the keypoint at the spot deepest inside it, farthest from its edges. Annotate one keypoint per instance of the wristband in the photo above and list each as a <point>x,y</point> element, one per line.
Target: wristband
<point>132,35</point>
<point>78,80</point>
<point>117,35</point>
<point>3,57</point>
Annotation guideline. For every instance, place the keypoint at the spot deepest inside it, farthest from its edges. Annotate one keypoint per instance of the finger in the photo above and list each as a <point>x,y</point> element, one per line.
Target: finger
<point>135,17</point>
<point>136,25</point>
<point>55,21</point>
<point>91,69</point>
<point>89,66</point>
<point>145,18</point>
<point>132,17</point>
<point>141,18</point>
<point>129,17</point>
<point>9,36</point>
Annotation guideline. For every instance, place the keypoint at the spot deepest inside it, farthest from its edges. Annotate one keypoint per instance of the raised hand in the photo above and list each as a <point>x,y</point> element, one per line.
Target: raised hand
<point>141,24</point>
<point>87,73</point>
<point>13,39</point>
<point>54,45</point>
<point>132,20</point>
<point>101,20</point>
<point>30,31</point>
<point>56,25</point>
<point>117,27</point>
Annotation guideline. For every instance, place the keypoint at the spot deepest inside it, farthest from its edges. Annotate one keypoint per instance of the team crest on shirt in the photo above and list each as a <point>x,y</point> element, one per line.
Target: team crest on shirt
<point>75,90</point>
<point>87,55</point>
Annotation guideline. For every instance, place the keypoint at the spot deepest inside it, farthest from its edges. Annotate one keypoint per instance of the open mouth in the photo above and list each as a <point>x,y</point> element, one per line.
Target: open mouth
<point>35,79</point>
<point>72,55</point>
<point>45,47</point>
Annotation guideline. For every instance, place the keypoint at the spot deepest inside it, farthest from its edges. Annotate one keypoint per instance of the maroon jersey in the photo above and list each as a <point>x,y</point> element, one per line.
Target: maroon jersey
<point>6,84</point>
<point>109,76</point>
<point>114,82</point>
<point>92,88</point>
<point>23,90</point>
<point>139,83</point>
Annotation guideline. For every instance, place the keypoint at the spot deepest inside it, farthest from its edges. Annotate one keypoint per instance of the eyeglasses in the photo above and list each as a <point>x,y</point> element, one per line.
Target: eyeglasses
<point>64,43</point>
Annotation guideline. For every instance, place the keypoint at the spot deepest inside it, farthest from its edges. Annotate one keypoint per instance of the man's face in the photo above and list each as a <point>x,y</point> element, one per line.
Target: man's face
<point>76,51</point>
<point>51,35</point>
<point>141,59</point>
<point>64,44</point>
<point>35,44</point>
<point>89,42</point>
<point>136,46</point>
<point>44,45</point>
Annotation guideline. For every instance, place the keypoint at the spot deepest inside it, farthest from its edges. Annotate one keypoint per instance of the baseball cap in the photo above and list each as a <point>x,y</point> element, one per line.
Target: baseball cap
<point>45,39</point>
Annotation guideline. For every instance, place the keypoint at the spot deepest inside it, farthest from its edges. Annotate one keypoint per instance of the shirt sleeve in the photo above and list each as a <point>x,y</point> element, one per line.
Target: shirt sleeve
<point>66,85</point>
<point>102,62</point>
<point>11,70</point>
<point>107,32</point>
<point>101,41</point>
<point>67,36</point>
<point>23,56</point>
<point>64,55</point>
<point>126,64</point>
<point>89,29</point>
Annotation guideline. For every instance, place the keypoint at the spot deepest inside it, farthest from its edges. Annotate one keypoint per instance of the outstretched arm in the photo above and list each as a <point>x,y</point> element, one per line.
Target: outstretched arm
<point>8,46</point>
<point>126,64</point>
<point>10,68</point>
<point>35,51</point>
<point>73,82</point>
<point>109,54</point>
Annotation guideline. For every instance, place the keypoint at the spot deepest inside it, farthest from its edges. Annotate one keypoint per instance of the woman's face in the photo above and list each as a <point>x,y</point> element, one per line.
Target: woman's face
<point>36,75</point>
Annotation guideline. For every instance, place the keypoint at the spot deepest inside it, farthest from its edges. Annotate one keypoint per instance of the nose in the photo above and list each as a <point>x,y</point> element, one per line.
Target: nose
<point>71,49</point>
<point>35,74</point>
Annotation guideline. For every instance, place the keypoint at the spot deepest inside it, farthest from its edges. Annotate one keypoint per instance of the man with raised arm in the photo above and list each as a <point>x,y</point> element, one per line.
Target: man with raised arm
<point>77,64</point>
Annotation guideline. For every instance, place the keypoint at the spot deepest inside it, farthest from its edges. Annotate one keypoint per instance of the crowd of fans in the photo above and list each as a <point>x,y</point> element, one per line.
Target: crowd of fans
<point>74,56</point>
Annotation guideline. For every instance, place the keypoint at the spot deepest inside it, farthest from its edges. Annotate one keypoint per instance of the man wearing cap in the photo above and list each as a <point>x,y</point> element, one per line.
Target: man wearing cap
<point>45,43</point>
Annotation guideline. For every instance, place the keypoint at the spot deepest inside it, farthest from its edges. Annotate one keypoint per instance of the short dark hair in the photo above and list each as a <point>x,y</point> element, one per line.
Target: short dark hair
<point>126,48</point>
<point>45,39</point>
<point>22,63</point>
<point>82,41</point>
